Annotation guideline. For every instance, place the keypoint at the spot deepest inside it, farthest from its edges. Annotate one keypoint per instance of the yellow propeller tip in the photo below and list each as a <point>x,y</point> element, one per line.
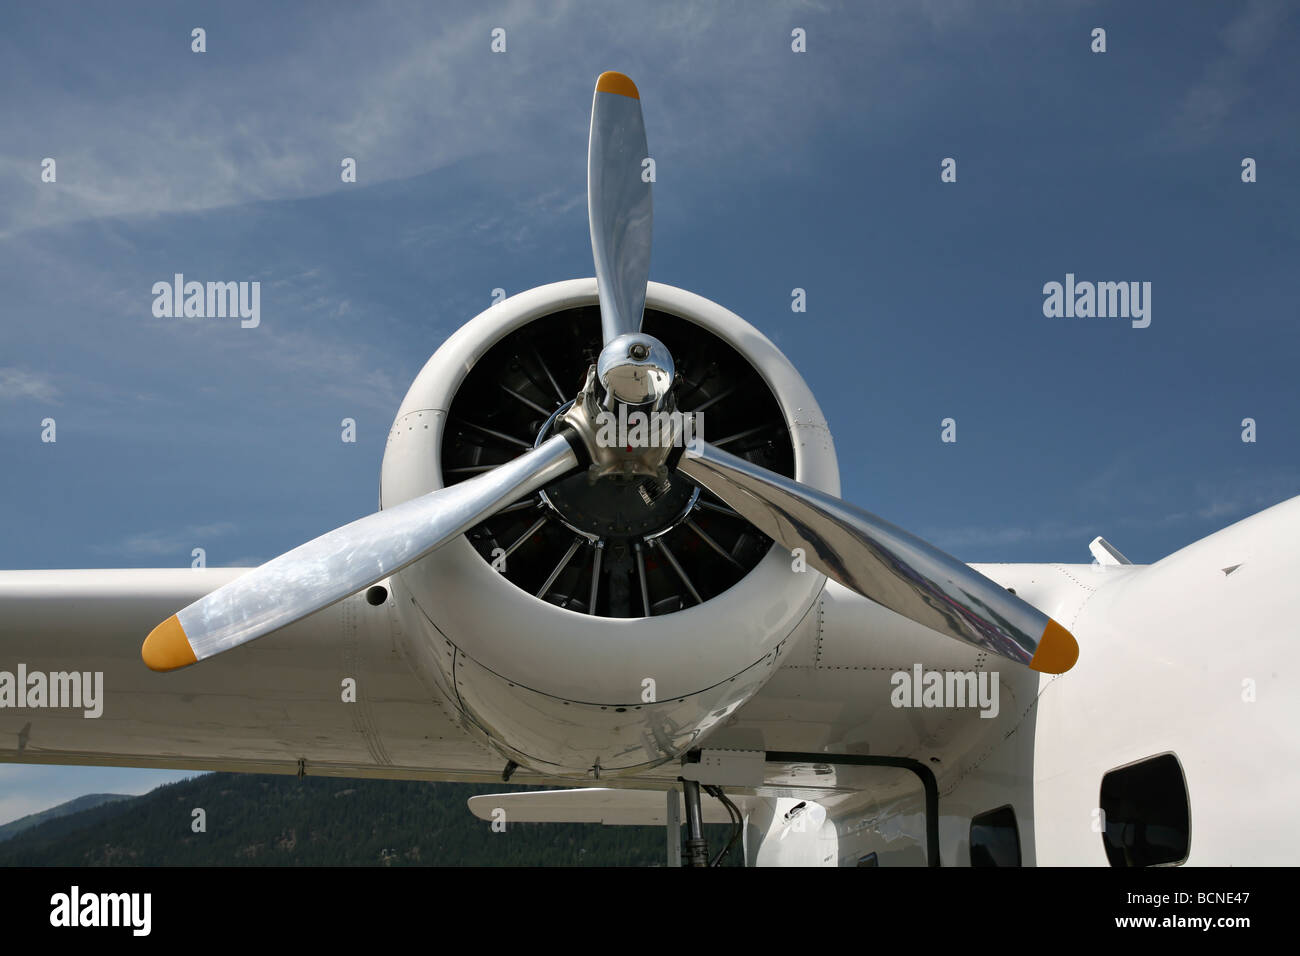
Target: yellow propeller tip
<point>1057,650</point>
<point>167,648</point>
<point>611,82</point>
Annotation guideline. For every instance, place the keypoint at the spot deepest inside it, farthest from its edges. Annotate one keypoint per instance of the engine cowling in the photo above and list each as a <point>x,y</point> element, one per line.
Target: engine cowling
<point>534,623</point>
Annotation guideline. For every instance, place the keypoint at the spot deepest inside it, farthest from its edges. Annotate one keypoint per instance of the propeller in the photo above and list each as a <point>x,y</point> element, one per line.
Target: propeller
<point>619,204</point>
<point>883,562</point>
<point>346,560</point>
<point>861,551</point>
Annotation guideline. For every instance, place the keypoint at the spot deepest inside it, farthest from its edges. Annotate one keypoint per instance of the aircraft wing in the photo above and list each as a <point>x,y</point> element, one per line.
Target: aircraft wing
<point>261,708</point>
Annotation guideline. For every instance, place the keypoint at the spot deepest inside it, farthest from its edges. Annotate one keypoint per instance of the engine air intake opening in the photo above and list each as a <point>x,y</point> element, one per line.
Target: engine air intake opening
<point>616,548</point>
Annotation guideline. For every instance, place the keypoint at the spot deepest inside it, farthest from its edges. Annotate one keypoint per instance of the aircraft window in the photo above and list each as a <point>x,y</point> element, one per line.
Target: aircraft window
<point>1147,820</point>
<point>995,838</point>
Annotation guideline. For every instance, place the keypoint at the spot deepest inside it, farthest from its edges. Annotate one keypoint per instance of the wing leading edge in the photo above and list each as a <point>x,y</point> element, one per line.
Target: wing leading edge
<point>74,691</point>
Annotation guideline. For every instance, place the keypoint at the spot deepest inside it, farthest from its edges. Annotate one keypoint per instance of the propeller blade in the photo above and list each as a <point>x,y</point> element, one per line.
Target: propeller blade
<point>346,560</point>
<point>618,204</point>
<point>884,562</point>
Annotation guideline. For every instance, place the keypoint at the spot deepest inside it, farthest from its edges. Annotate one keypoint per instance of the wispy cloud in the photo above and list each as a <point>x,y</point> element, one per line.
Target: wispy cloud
<point>1217,503</point>
<point>324,365</point>
<point>1243,492</point>
<point>1226,80</point>
<point>426,92</point>
<point>409,94</point>
<point>169,542</point>
<point>17,383</point>
<point>968,539</point>
<point>202,136</point>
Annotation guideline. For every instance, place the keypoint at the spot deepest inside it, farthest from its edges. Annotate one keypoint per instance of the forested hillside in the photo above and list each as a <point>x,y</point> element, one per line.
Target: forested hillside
<point>266,820</point>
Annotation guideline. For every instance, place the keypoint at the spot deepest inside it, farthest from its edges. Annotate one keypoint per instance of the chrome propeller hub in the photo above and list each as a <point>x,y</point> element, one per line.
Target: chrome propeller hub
<point>635,369</point>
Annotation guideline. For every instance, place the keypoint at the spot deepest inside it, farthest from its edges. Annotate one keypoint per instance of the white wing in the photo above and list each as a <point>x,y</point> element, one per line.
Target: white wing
<point>260,708</point>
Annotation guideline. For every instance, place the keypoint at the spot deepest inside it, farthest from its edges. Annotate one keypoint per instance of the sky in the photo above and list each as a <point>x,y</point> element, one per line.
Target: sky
<point>775,170</point>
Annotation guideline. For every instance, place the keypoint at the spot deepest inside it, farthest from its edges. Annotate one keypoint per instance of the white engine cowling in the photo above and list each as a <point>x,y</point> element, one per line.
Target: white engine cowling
<point>555,688</point>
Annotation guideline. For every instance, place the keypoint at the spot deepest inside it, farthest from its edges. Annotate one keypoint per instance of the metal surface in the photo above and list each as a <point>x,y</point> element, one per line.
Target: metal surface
<point>676,566</point>
<point>329,568</point>
<point>595,577</point>
<point>603,432</point>
<point>595,511</point>
<point>873,557</point>
<point>697,849</point>
<point>619,210</point>
<point>635,369</point>
<point>673,828</point>
<point>559,568</point>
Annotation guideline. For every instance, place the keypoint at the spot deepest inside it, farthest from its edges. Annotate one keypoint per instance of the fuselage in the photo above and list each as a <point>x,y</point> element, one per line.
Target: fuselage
<point>1188,657</point>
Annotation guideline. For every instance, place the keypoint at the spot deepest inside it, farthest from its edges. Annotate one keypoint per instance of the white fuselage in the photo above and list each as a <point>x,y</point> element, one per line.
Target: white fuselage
<point>1177,657</point>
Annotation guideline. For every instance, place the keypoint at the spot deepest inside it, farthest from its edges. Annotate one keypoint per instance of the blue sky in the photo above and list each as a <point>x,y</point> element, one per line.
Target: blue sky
<point>775,170</point>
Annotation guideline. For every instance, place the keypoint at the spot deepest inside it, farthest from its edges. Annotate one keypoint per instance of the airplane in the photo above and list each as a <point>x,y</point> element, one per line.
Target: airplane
<point>685,624</point>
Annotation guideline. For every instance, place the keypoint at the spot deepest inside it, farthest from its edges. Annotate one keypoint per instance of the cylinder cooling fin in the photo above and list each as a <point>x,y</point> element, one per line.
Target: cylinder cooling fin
<point>620,548</point>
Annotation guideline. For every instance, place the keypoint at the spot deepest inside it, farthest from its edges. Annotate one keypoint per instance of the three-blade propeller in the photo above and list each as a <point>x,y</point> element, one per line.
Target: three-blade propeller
<point>855,548</point>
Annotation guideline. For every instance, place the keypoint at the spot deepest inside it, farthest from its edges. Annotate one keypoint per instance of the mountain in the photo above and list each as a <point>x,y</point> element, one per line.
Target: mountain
<point>87,802</point>
<point>271,820</point>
